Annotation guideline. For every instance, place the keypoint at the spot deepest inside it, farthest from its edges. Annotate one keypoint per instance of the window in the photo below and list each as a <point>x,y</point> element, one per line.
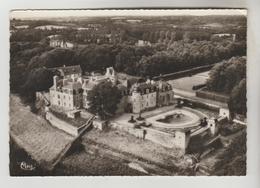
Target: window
<point>80,90</point>
<point>58,96</point>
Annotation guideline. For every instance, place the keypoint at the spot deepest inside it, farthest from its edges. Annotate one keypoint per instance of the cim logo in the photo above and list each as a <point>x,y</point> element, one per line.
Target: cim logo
<point>25,166</point>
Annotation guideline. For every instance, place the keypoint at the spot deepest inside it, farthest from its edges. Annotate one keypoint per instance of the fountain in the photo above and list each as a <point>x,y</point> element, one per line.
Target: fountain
<point>177,119</point>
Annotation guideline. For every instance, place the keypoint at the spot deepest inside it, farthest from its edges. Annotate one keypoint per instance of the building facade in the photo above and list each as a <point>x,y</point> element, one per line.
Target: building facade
<point>66,91</point>
<point>70,90</point>
<point>150,94</point>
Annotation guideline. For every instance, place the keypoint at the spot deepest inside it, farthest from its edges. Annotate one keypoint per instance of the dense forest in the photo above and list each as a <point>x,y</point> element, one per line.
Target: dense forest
<point>229,77</point>
<point>177,43</point>
<point>141,61</point>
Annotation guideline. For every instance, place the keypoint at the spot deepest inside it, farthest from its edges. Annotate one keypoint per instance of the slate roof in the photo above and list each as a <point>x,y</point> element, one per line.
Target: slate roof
<point>164,86</point>
<point>151,87</point>
<point>72,85</point>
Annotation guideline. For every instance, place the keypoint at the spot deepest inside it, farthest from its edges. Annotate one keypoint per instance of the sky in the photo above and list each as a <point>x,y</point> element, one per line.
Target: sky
<point>37,14</point>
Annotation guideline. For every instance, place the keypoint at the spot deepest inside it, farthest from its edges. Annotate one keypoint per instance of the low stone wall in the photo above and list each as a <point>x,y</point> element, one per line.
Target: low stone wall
<point>212,96</point>
<point>178,140</point>
<point>171,140</point>
<point>60,124</point>
<point>159,137</point>
<point>180,74</point>
<point>128,128</point>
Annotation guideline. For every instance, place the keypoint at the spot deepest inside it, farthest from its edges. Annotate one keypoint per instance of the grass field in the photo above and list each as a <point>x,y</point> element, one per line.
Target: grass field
<point>82,163</point>
<point>186,83</point>
<point>33,133</point>
<point>127,143</point>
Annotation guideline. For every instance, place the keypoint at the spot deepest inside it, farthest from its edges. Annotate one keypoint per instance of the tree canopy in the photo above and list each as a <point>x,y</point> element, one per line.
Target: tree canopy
<point>227,74</point>
<point>238,99</point>
<point>39,79</point>
<point>103,99</point>
<point>229,77</point>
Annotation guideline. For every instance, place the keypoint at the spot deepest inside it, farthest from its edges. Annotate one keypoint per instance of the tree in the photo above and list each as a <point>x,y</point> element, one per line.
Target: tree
<point>38,80</point>
<point>237,102</point>
<point>225,75</point>
<point>128,58</point>
<point>54,58</point>
<point>103,99</point>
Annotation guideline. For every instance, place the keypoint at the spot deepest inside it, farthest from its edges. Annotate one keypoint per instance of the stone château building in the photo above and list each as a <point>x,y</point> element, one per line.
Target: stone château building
<point>66,91</point>
<point>150,94</point>
<point>70,90</point>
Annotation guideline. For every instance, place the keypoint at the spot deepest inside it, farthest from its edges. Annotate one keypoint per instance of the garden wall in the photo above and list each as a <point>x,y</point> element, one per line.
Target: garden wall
<point>184,73</point>
<point>212,96</point>
<point>60,124</point>
<point>177,140</point>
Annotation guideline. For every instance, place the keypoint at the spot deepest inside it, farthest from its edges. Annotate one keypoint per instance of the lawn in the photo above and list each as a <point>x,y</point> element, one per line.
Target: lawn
<point>186,83</point>
<point>128,143</point>
<point>82,163</point>
<point>35,135</point>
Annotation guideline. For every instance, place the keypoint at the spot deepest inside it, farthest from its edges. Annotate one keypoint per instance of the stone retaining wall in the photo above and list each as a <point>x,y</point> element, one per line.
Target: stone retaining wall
<point>212,96</point>
<point>60,124</point>
<point>178,140</point>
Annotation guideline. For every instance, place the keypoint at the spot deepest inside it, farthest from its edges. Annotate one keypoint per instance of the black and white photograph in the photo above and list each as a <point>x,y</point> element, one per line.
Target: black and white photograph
<point>128,92</point>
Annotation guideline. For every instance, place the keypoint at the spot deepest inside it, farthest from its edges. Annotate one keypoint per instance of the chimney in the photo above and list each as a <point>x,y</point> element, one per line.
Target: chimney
<point>160,84</point>
<point>148,81</point>
<point>65,81</point>
<point>234,37</point>
<point>55,80</point>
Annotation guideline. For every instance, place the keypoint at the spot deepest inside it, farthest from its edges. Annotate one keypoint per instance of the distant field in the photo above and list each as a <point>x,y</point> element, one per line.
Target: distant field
<point>186,83</point>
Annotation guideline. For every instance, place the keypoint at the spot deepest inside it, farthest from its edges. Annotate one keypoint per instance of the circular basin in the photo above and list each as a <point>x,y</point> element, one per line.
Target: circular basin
<point>177,119</point>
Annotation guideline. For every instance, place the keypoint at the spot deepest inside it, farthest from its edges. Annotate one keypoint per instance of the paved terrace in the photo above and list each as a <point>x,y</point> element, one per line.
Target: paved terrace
<point>35,135</point>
